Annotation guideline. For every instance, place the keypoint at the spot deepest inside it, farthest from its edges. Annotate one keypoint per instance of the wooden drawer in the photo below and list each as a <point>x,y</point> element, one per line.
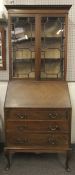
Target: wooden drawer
<point>23,114</point>
<point>35,139</point>
<point>23,126</point>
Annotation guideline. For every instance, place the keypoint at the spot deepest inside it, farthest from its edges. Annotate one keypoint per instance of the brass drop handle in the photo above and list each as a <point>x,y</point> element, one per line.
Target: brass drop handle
<point>51,128</point>
<point>51,141</point>
<point>52,116</point>
<point>22,116</point>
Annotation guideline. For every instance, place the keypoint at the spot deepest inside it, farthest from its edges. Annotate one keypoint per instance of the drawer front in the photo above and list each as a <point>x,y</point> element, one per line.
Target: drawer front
<point>22,114</point>
<point>51,140</point>
<point>23,126</point>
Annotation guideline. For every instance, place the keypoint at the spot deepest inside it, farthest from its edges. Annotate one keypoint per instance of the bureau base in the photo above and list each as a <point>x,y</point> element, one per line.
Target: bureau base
<point>10,151</point>
<point>37,118</point>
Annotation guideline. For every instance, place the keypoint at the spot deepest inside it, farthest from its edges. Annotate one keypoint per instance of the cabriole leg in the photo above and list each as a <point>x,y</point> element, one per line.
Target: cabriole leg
<point>68,156</point>
<point>7,155</point>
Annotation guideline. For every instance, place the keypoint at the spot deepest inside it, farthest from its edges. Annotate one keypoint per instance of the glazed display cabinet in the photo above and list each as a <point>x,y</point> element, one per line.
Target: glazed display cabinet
<point>38,42</point>
<point>37,105</point>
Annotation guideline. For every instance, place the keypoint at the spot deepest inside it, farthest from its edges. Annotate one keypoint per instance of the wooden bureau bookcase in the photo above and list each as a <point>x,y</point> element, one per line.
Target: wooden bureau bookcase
<point>37,106</point>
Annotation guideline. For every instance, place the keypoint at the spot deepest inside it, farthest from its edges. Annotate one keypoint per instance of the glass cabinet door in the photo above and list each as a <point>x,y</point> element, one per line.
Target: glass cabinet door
<point>23,47</point>
<point>52,47</point>
<point>24,42</point>
<point>0,49</point>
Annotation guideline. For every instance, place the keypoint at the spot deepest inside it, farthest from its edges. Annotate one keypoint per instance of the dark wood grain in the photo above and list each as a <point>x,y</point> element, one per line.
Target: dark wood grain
<point>37,94</point>
<point>67,7</point>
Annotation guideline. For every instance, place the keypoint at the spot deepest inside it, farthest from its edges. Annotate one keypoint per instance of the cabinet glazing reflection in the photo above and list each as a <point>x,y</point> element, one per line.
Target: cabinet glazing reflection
<point>23,47</point>
<point>2,48</point>
<point>52,47</point>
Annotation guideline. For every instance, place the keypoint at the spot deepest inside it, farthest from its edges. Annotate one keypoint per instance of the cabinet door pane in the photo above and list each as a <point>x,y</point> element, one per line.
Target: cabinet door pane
<point>0,50</point>
<point>23,47</point>
<point>52,47</point>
